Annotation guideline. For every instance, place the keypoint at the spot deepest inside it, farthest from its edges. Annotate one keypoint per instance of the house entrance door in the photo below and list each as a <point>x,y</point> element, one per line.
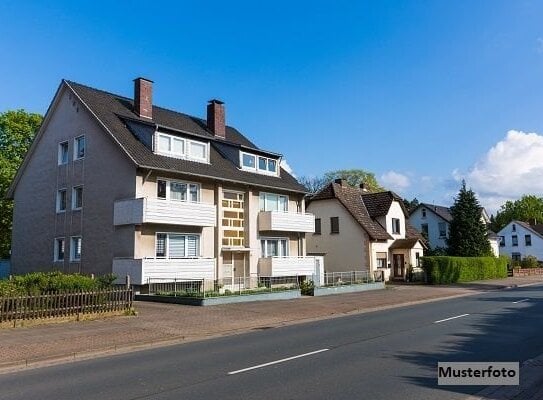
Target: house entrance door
<point>398,262</point>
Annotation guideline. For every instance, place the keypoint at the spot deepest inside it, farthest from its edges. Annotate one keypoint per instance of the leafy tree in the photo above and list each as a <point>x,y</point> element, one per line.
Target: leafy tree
<point>17,130</point>
<point>354,177</point>
<point>467,233</point>
<point>411,205</point>
<point>527,208</point>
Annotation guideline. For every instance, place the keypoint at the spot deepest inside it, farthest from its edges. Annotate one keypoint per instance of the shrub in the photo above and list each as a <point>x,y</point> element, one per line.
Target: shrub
<point>36,283</point>
<point>307,288</point>
<point>529,262</point>
<point>441,269</point>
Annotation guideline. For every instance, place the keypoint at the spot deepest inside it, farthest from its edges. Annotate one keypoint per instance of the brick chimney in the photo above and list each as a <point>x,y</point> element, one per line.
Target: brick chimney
<point>363,187</point>
<point>341,181</point>
<point>143,98</point>
<point>216,118</point>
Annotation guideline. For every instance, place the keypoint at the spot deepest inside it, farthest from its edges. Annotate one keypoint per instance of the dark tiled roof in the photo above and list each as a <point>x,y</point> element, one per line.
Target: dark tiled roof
<point>443,212</point>
<point>537,228</point>
<point>412,232</point>
<point>379,203</point>
<point>351,199</point>
<point>404,243</point>
<point>113,110</point>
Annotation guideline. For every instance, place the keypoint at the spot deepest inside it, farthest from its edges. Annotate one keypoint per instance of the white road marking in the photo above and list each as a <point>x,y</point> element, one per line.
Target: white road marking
<point>448,319</point>
<point>520,301</point>
<point>276,362</point>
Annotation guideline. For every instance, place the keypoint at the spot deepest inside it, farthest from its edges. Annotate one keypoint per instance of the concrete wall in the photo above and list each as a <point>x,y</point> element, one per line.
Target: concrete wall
<point>536,249</point>
<point>345,251</point>
<point>106,175</point>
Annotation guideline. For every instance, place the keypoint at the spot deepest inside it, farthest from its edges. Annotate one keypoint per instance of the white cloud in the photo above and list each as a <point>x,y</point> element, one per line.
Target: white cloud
<point>395,181</point>
<point>511,168</point>
<point>286,167</point>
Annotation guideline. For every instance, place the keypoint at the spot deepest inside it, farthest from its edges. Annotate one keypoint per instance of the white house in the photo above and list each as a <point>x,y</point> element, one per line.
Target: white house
<point>360,231</point>
<point>519,239</point>
<point>433,222</point>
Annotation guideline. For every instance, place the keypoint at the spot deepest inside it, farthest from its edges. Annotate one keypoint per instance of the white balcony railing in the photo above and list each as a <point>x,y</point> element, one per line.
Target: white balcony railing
<point>286,266</point>
<point>149,210</point>
<point>143,269</point>
<point>286,221</point>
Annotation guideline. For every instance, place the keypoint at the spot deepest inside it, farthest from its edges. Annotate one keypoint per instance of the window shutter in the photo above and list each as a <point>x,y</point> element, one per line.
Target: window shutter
<point>176,246</point>
<point>192,246</point>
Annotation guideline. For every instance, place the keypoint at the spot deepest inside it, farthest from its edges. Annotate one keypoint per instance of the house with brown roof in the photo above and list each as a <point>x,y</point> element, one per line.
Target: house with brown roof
<point>360,231</point>
<point>118,184</point>
<point>519,239</point>
<point>433,222</point>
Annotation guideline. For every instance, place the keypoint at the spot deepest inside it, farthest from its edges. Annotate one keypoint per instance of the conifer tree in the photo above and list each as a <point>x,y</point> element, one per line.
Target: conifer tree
<point>467,231</point>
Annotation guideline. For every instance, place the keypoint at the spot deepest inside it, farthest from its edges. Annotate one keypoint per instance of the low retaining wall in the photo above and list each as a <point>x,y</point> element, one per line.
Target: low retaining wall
<point>527,271</point>
<point>327,290</point>
<point>213,301</point>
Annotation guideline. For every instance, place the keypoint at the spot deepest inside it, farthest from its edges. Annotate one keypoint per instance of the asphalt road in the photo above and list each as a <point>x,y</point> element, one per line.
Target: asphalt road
<point>389,354</point>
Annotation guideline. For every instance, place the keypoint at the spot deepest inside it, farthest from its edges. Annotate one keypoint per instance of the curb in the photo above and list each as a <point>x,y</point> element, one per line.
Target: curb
<point>30,363</point>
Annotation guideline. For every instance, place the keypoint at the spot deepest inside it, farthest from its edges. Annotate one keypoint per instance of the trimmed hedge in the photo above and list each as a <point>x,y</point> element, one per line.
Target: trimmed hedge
<point>36,283</point>
<point>443,269</point>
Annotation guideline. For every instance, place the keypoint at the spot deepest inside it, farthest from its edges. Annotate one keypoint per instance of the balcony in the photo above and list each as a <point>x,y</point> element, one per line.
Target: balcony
<point>286,266</point>
<point>159,211</point>
<point>286,221</point>
<point>144,269</point>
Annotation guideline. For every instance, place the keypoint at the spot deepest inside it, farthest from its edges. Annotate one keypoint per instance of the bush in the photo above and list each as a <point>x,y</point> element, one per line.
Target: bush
<point>441,269</point>
<point>307,288</point>
<point>36,283</point>
<point>529,262</point>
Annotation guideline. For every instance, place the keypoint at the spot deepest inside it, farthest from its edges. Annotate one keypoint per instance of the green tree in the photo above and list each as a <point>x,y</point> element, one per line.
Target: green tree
<point>527,208</point>
<point>354,178</point>
<point>411,205</point>
<point>17,130</point>
<point>467,232</point>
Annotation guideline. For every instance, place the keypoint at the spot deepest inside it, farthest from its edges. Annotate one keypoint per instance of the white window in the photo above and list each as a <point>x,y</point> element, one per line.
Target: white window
<point>260,164</point>
<point>79,147</point>
<point>180,191</point>
<point>75,248</point>
<point>59,249</point>
<point>176,245</point>
<point>274,247</point>
<point>63,153</point>
<point>77,197</point>
<point>442,229</point>
<point>174,146</point>
<point>273,202</point>
<point>61,200</point>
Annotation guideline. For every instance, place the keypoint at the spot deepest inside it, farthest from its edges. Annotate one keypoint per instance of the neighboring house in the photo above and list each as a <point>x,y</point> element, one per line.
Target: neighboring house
<point>114,184</point>
<point>356,230</point>
<point>520,239</point>
<point>433,222</point>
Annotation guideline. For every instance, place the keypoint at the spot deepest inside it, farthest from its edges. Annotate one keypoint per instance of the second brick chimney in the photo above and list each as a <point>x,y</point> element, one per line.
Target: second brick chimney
<point>216,118</point>
<point>143,98</point>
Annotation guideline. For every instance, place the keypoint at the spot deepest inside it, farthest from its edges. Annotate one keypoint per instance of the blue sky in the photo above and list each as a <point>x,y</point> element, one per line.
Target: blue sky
<point>422,93</point>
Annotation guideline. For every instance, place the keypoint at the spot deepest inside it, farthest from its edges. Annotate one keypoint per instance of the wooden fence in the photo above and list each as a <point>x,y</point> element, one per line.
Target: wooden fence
<point>54,305</point>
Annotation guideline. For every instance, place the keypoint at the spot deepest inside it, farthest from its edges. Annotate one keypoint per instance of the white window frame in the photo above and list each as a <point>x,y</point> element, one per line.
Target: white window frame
<point>256,168</point>
<point>265,194</point>
<point>169,181</point>
<point>59,211</point>
<point>74,205</point>
<point>76,139</point>
<point>167,245</point>
<point>394,232</point>
<point>72,248</point>
<point>55,249</point>
<point>266,239</point>
<point>186,148</point>
<point>61,153</point>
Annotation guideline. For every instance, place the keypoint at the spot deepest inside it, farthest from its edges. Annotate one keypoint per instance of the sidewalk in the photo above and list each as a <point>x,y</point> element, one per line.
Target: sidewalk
<point>160,324</point>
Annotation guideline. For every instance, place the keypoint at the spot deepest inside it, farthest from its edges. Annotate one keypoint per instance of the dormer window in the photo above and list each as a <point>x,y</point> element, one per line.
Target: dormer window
<point>259,164</point>
<point>177,147</point>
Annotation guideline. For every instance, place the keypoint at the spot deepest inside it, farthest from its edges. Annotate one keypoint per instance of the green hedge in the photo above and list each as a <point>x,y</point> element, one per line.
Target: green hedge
<point>443,269</point>
<point>36,283</point>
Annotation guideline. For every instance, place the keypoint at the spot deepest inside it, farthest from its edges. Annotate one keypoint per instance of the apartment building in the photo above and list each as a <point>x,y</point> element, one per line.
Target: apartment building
<point>117,184</point>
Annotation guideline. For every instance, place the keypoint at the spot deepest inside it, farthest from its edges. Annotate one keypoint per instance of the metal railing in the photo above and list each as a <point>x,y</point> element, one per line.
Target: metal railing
<point>236,286</point>
<point>352,278</point>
